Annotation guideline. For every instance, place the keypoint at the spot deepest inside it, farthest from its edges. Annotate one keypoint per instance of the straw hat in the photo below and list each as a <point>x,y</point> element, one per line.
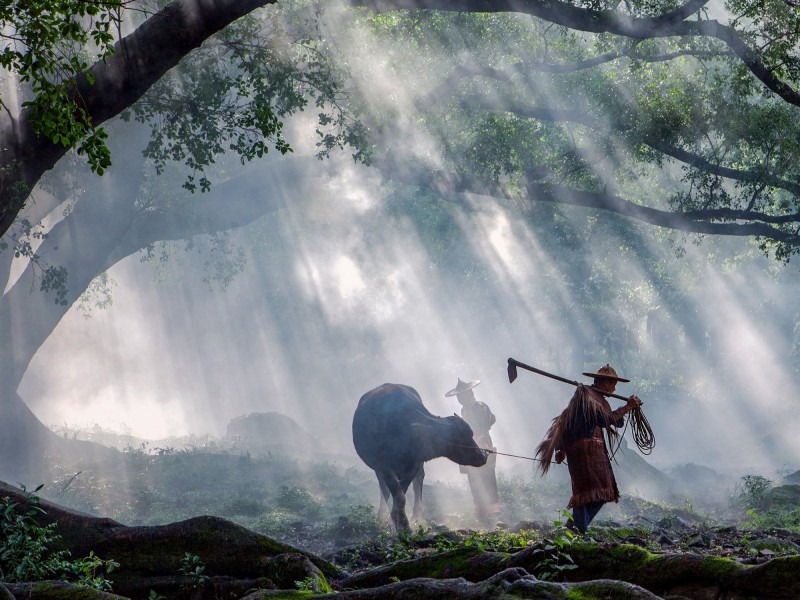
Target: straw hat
<point>607,372</point>
<point>462,387</point>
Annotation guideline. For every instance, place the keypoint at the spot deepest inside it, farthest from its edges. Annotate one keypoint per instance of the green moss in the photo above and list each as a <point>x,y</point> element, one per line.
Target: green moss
<point>439,566</point>
<point>601,590</point>
<point>287,594</point>
<point>630,553</point>
<point>57,591</point>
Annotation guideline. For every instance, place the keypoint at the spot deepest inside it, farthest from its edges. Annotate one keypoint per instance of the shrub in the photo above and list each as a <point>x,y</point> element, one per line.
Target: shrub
<point>27,554</point>
<point>298,500</point>
<point>755,491</point>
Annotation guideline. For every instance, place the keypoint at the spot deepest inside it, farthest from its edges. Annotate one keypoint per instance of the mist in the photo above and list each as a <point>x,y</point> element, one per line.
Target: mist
<point>347,285</point>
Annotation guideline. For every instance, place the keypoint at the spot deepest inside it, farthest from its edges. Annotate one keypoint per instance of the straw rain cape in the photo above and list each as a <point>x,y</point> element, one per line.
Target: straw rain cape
<point>578,432</point>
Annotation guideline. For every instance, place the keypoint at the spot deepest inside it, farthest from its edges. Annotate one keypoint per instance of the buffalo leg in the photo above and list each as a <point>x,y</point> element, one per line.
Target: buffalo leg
<point>398,492</point>
<point>417,513</point>
<point>383,503</point>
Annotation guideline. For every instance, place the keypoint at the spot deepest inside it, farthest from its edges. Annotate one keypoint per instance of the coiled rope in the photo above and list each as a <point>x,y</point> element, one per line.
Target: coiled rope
<point>641,431</point>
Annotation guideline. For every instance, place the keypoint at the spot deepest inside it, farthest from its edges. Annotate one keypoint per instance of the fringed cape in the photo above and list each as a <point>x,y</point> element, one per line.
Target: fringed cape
<point>587,457</point>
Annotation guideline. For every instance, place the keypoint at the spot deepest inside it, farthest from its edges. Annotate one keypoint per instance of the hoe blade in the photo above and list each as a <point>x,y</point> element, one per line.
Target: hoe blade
<point>512,370</point>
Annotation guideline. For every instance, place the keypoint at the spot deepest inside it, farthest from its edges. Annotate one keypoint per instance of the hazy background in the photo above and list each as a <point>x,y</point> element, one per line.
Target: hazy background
<point>347,287</point>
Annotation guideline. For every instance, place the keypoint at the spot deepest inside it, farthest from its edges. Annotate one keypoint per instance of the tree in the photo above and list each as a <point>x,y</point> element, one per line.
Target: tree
<point>645,86</point>
<point>70,104</point>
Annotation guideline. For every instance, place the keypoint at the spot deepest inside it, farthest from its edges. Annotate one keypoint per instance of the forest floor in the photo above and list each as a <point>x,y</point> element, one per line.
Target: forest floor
<point>328,509</point>
<point>745,543</point>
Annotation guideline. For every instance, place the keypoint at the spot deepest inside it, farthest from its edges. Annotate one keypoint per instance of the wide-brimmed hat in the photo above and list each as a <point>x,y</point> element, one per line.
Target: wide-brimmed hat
<point>607,372</point>
<point>462,387</point>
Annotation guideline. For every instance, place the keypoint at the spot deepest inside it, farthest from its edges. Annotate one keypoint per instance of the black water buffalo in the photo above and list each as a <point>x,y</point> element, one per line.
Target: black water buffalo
<point>394,434</point>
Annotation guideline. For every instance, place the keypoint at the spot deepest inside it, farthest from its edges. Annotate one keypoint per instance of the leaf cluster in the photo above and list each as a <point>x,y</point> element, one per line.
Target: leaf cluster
<point>28,550</point>
<point>235,92</point>
<point>46,44</point>
<point>683,124</point>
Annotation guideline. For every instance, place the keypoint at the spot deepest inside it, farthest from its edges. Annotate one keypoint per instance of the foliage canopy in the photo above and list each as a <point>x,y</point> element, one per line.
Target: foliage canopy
<point>565,101</point>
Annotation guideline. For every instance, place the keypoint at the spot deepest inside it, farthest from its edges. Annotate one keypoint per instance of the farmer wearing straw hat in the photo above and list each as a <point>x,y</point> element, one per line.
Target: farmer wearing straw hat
<point>482,480</point>
<point>577,435</point>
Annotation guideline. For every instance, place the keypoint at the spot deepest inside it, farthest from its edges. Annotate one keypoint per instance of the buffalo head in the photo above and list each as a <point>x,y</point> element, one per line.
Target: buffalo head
<point>459,445</point>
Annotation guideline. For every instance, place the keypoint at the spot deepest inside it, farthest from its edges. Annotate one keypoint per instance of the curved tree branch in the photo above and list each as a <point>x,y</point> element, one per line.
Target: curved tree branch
<point>711,221</point>
<point>692,222</point>
<point>669,24</point>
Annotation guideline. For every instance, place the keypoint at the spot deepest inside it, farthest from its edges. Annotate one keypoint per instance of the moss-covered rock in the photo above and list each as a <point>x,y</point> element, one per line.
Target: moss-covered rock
<point>775,544</point>
<point>468,562</point>
<point>57,590</point>
<point>776,578</point>
<point>223,548</point>
<point>785,497</point>
<point>689,575</point>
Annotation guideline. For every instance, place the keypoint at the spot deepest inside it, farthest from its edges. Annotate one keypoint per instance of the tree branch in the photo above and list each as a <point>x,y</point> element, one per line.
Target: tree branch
<point>449,184</point>
<point>584,118</point>
<point>593,21</point>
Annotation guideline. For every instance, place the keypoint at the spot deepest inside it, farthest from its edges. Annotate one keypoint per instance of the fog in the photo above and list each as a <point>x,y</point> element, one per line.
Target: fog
<point>347,287</point>
<point>363,304</point>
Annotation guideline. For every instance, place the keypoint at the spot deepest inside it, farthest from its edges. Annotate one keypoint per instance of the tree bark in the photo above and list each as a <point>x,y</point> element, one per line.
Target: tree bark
<point>688,575</point>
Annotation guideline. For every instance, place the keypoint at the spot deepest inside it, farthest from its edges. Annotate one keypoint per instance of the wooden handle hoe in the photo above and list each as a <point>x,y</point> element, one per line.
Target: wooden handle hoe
<point>512,375</point>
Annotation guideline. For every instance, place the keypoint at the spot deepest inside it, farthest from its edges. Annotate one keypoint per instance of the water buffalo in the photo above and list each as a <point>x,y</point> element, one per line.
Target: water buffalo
<point>394,434</point>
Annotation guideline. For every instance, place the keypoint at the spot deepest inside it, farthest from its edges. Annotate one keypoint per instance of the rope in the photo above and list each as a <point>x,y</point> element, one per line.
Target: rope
<point>642,433</point>
<point>516,456</point>
<point>504,454</point>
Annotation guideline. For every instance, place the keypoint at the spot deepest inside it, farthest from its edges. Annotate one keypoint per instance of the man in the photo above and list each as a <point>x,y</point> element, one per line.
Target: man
<point>577,435</point>
<point>482,480</point>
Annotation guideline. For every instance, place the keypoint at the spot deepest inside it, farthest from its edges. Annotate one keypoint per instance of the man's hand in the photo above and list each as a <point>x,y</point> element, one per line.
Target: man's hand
<point>633,402</point>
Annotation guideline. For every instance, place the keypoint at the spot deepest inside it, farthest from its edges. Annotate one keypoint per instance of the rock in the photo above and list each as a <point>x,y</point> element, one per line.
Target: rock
<point>775,545</point>
<point>287,569</point>
<point>271,432</point>
<point>636,540</point>
<point>664,540</point>
<point>56,590</point>
<point>783,497</point>
<point>697,540</point>
<point>530,526</point>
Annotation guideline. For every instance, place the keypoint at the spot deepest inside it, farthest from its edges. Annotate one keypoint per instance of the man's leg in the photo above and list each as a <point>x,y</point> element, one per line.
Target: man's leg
<point>579,521</point>
<point>583,515</point>
<point>591,511</point>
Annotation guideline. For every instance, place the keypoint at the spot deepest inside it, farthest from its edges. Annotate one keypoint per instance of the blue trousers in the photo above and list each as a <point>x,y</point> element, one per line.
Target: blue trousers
<point>583,515</point>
